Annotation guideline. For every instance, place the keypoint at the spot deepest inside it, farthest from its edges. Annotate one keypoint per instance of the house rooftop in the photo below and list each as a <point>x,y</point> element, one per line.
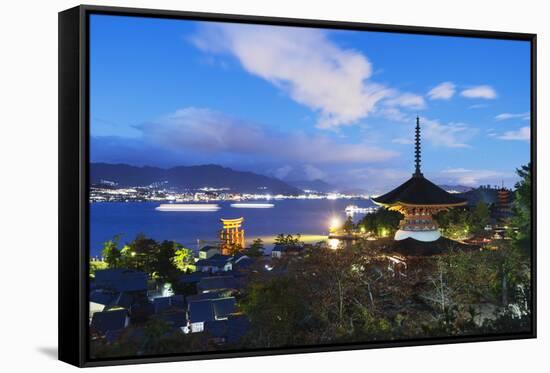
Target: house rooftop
<point>217,260</point>
<point>120,279</point>
<point>109,320</point>
<point>102,297</point>
<point>191,278</point>
<point>231,330</point>
<point>223,307</point>
<point>201,310</point>
<point>202,296</point>
<point>163,303</point>
<point>211,309</point>
<point>217,283</point>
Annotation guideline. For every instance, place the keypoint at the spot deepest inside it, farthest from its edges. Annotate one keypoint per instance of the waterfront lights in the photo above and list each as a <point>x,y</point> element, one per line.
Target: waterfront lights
<point>335,223</point>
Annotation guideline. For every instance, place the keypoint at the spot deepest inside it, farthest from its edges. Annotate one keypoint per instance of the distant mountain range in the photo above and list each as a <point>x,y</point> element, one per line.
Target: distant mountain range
<point>482,194</point>
<point>215,176</point>
<point>189,177</point>
<point>456,188</point>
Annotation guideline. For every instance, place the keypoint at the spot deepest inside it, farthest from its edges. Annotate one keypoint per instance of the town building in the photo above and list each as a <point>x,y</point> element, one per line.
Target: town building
<point>216,263</point>
<point>206,252</point>
<point>109,324</point>
<point>208,310</point>
<point>503,205</point>
<point>280,250</point>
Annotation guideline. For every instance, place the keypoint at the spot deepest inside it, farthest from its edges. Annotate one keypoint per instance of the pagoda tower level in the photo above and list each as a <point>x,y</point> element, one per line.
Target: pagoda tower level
<point>418,199</point>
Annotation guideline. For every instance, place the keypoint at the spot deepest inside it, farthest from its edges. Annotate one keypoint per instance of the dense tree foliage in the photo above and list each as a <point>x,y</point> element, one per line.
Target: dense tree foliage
<point>184,259</point>
<point>348,226</point>
<point>111,254</point>
<point>256,249</point>
<point>382,223</point>
<point>522,210</point>
<point>352,295</point>
<point>288,240</point>
<point>163,261</point>
<point>462,223</point>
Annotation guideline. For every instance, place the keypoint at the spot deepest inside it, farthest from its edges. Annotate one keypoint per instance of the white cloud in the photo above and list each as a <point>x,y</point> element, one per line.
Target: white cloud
<point>443,91</point>
<point>393,114</point>
<point>402,141</point>
<point>522,134</point>
<point>306,65</point>
<point>452,135</point>
<point>377,179</point>
<point>478,106</point>
<point>207,131</point>
<point>406,100</point>
<point>480,91</point>
<point>471,177</point>
<point>505,116</point>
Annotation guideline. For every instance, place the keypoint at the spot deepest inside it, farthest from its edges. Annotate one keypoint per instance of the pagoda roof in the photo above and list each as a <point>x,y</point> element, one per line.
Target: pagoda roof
<point>411,247</point>
<point>419,191</point>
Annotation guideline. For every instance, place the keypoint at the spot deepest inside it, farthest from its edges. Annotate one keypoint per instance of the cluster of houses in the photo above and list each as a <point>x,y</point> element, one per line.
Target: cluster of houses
<point>122,297</point>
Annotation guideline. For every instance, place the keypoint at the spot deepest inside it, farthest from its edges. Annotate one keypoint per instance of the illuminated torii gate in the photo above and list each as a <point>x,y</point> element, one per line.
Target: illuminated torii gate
<point>231,235</point>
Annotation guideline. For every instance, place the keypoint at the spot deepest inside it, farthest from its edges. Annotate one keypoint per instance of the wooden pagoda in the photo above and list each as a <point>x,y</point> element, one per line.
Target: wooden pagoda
<point>418,199</point>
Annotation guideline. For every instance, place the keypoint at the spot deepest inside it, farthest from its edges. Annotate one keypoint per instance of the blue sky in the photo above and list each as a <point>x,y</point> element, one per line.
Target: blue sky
<point>299,103</point>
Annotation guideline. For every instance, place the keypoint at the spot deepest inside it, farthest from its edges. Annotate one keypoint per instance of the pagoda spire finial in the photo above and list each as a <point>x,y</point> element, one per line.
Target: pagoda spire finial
<point>417,172</point>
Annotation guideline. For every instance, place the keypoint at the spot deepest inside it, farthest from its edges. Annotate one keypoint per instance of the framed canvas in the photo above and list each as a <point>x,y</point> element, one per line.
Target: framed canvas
<point>235,186</point>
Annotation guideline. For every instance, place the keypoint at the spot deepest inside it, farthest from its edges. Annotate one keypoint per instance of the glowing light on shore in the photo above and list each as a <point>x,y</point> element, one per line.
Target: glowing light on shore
<point>201,207</point>
<point>335,223</point>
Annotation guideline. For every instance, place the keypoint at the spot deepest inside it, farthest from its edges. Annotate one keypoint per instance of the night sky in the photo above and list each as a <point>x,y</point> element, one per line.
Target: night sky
<point>298,103</point>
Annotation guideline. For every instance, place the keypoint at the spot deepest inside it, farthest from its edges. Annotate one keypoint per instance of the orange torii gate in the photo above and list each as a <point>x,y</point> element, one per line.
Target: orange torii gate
<point>231,235</point>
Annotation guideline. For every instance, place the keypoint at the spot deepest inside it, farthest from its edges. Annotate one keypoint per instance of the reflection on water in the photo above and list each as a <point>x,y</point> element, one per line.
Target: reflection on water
<point>334,243</point>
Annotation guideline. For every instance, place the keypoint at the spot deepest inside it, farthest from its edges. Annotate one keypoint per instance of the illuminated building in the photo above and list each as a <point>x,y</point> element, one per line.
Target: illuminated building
<point>418,199</point>
<point>503,204</point>
<point>231,235</point>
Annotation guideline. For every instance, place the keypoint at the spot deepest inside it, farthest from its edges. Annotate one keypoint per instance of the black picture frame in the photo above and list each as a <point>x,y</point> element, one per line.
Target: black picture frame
<point>74,179</point>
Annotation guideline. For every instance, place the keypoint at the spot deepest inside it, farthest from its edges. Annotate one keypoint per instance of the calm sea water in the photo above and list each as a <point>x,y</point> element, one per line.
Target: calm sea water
<point>311,218</point>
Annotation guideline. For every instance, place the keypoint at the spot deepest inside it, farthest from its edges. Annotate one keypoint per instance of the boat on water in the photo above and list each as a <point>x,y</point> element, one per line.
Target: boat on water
<point>200,207</point>
<point>252,205</point>
<point>354,209</point>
